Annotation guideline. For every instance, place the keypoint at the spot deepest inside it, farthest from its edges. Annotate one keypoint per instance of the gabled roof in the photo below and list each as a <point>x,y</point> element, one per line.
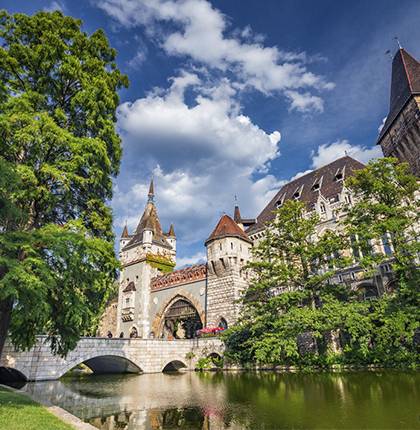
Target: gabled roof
<point>227,227</point>
<point>322,181</point>
<point>405,82</point>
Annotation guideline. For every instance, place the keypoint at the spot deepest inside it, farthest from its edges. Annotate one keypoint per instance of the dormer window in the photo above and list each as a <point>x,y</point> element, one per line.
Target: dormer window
<point>317,184</point>
<point>339,175</point>
<point>297,193</point>
<point>279,202</point>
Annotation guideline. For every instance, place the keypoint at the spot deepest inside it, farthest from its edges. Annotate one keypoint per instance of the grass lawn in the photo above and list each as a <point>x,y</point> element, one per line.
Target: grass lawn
<point>19,412</point>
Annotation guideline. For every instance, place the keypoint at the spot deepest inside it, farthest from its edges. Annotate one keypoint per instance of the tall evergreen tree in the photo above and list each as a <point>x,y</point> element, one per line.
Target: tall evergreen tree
<point>58,153</point>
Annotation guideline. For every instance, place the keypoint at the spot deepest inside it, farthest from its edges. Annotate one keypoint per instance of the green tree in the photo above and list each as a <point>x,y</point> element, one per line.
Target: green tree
<point>387,210</point>
<point>291,281</point>
<point>59,150</point>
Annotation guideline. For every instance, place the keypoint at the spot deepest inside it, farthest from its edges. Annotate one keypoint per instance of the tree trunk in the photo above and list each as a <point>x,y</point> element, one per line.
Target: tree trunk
<point>6,307</point>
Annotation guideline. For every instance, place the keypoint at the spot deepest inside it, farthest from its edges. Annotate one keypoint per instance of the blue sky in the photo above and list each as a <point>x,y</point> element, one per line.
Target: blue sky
<point>236,97</point>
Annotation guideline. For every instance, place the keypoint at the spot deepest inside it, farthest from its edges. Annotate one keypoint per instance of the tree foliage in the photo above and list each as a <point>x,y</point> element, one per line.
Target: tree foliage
<point>294,314</point>
<point>59,150</point>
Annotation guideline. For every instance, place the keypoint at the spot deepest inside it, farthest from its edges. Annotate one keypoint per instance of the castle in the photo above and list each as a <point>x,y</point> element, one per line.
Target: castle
<point>154,301</point>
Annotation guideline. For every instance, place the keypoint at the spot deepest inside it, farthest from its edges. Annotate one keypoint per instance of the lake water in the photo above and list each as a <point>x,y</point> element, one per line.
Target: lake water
<point>266,400</point>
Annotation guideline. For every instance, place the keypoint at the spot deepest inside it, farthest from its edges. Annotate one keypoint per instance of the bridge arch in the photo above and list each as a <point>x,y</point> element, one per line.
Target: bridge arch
<point>102,364</point>
<point>10,374</point>
<point>158,324</point>
<point>174,366</point>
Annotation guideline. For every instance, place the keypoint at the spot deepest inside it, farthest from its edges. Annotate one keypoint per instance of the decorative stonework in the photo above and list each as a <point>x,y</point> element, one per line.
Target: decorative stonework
<point>179,277</point>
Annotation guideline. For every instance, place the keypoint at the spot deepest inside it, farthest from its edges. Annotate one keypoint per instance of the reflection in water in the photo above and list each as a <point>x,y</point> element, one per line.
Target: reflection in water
<point>213,401</point>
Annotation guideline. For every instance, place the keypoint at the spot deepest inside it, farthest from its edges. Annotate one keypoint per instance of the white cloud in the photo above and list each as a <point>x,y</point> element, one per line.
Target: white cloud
<point>201,34</point>
<point>299,174</point>
<point>199,257</point>
<point>205,153</point>
<point>327,153</point>
<point>381,126</point>
<point>55,5</point>
<point>305,102</point>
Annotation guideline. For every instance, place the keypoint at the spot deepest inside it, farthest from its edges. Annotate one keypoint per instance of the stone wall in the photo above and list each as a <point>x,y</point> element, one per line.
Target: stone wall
<point>108,322</point>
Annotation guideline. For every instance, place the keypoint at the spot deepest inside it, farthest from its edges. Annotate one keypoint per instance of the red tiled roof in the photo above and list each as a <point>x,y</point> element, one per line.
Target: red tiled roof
<point>305,187</point>
<point>227,227</point>
<point>179,277</point>
<point>405,82</point>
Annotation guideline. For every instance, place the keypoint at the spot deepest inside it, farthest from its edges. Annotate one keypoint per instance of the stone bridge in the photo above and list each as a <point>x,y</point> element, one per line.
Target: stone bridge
<point>108,355</point>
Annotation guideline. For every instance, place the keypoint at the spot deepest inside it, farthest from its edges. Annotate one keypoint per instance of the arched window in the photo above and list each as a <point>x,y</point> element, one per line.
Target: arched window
<point>134,333</point>
<point>322,208</point>
<point>223,324</point>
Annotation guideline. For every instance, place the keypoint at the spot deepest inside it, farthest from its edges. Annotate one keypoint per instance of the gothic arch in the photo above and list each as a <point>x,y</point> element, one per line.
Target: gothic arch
<point>180,294</point>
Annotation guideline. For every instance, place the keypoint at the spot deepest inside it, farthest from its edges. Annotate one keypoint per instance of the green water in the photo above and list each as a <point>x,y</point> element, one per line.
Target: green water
<point>359,400</point>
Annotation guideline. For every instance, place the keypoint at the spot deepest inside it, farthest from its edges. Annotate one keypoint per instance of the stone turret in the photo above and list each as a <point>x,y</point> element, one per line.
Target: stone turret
<point>125,237</point>
<point>228,250</point>
<point>171,238</point>
<point>144,255</point>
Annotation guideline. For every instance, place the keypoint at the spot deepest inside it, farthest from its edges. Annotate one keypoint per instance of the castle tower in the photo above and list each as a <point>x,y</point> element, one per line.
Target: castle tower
<point>144,255</point>
<point>228,250</point>
<point>400,135</point>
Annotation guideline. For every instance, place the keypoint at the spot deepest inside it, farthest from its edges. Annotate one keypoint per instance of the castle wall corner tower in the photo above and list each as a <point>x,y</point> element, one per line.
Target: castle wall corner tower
<point>400,135</point>
<point>228,251</point>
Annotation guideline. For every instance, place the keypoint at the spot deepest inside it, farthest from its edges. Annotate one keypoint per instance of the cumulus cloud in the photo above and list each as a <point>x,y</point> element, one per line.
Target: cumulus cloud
<point>205,152</point>
<point>198,257</point>
<point>200,33</point>
<point>327,153</point>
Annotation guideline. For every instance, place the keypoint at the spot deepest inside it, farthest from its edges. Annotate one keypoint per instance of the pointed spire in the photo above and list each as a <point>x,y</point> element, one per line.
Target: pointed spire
<point>151,194</point>
<point>124,233</point>
<point>171,232</point>
<point>405,82</point>
<point>237,215</point>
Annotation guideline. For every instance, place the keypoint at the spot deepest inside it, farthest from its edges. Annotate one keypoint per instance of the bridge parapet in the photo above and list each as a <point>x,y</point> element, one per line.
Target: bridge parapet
<point>107,355</point>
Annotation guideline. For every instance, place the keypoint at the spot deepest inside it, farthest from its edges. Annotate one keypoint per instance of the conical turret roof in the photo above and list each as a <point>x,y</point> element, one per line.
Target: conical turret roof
<point>124,233</point>
<point>405,82</point>
<point>227,227</point>
<point>149,221</point>
<point>171,232</point>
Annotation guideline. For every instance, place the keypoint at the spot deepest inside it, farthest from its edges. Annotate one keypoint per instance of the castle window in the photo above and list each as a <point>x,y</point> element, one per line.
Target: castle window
<point>127,302</point>
<point>317,184</point>
<point>220,246</point>
<point>279,202</point>
<point>231,245</point>
<point>347,199</point>
<point>322,208</point>
<point>386,245</point>
<point>339,175</point>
